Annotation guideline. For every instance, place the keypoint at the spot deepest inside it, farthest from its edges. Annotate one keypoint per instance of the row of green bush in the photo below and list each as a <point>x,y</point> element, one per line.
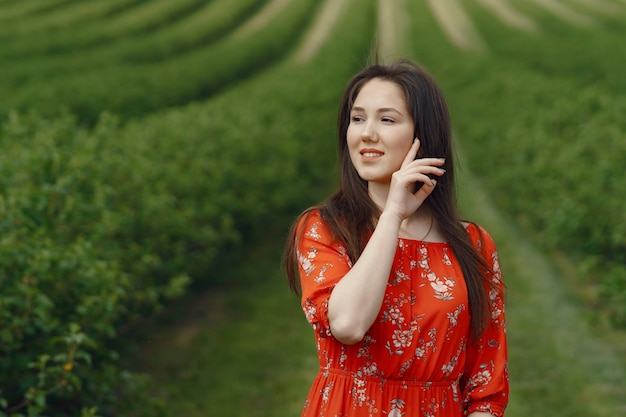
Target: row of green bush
<point>197,31</point>
<point>540,117</point>
<point>64,288</point>
<point>20,9</point>
<point>150,30</point>
<point>68,13</point>
<point>100,228</point>
<point>130,89</point>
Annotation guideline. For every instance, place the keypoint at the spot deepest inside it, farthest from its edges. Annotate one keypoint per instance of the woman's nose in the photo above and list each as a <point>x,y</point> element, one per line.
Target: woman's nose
<point>369,133</point>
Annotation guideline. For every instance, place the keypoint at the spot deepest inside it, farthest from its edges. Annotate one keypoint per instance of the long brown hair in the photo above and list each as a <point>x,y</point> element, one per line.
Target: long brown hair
<point>351,214</point>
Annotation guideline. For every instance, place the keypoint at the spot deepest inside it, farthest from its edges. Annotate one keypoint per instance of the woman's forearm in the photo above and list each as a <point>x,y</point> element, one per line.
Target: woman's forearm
<point>356,300</point>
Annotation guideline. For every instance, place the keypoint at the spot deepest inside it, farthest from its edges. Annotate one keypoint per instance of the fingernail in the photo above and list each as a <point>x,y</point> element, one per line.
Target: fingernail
<point>433,182</point>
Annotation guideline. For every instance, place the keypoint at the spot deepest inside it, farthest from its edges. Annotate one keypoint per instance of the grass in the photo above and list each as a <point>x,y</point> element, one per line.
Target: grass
<point>560,364</point>
<point>241,351</point>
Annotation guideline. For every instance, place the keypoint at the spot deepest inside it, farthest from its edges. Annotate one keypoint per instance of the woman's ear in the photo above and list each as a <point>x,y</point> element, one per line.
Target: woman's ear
<point>420,152</point>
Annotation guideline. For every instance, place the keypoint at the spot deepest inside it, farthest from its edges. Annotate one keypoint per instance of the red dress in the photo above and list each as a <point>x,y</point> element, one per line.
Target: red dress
<point>417,358</point>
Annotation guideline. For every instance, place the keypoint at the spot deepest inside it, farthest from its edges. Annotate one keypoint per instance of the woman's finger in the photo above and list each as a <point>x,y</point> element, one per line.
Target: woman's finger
<point>417,174</point>
<point>436,162</point>
<point>425,190</point>
<point>410,156</point>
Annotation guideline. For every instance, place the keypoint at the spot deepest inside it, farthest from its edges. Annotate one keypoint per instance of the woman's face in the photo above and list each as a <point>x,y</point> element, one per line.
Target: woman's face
<point>380,132</point>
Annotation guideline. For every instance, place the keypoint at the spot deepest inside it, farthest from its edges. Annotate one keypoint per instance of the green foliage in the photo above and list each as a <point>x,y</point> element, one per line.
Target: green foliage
<point>65,286</point>
<point>251,355</point>
<point>70,13</point>
<point>168,28</point>
<point>102,227</point>
<point>540,118</point>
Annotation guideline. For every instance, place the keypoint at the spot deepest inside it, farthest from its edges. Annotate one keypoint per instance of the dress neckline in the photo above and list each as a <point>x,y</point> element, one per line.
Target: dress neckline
<point>426,242</point>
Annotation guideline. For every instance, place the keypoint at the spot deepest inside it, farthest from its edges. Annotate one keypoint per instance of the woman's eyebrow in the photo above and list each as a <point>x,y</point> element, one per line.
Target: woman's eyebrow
<point>381,110</point>
<point>389,109</point>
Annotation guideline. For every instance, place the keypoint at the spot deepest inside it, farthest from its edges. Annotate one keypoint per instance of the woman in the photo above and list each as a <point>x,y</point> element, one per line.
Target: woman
<point>405,298</point>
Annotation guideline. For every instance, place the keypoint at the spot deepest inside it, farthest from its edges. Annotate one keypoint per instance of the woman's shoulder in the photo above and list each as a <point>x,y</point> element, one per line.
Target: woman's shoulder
<point>473,227</point>
<point>312,221</point>
<point>310,215</point>
<point>480,237</point>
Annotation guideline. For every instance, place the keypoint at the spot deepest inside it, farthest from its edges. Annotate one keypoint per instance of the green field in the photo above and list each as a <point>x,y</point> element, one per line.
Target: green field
<point>154,154</point>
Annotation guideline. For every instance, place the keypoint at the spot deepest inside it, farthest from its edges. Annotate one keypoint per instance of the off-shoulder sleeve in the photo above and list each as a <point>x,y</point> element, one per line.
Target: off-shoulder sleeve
<point>486,380</point>
<point>322,262</point>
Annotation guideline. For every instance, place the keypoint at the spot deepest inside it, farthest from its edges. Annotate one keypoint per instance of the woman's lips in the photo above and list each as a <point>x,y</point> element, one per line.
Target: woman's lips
<point>370,154</point>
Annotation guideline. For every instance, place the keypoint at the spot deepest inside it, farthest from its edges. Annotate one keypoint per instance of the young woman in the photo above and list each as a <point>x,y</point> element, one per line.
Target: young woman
<point>405,298</point>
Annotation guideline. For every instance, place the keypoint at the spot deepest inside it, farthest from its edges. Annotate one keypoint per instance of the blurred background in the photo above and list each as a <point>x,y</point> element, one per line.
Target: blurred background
<point>153,154</point>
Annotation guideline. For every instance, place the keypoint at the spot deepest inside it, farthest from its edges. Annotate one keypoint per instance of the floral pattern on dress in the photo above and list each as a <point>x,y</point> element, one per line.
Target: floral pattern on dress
<point>417,358</point>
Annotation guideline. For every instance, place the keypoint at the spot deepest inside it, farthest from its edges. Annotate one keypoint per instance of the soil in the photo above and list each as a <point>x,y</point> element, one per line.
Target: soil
<point>326,20</point>
<point>457,25</point>
<point>261,19</point>
<point>564,12</point>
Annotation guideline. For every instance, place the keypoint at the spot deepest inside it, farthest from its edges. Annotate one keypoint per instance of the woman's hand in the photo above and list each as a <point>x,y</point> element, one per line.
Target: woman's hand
<point>402,199</point>
<point>356,299</point>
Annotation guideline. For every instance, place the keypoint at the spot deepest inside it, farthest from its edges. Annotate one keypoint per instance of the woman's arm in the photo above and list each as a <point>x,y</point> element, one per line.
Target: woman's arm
<point>356,299</point>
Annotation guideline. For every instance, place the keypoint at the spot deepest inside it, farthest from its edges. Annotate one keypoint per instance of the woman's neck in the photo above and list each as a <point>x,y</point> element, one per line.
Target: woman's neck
<point>421,223</point>
<point>378,192</point>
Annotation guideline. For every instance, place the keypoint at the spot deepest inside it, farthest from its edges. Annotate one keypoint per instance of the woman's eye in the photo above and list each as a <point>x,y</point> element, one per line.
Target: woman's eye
<point>357,118</point>
<point>388,120</point>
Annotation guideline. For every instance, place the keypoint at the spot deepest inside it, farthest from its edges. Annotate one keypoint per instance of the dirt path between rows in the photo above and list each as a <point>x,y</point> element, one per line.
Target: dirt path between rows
<point>508,15</point>
<point>262,18</point>
<point>391,34</point>
<point>326,20</point>
<point>393,25</point>
<point>457,25</point>
<point>564,12</point>
<point>601,6</point>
